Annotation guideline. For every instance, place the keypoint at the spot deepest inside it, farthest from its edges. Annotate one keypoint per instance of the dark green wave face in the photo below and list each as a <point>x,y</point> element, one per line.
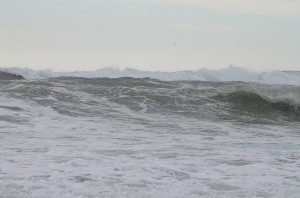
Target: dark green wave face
<point>236,101</point>
<point>259,108</point>
<point>9,76</point>
<point>254,102</point>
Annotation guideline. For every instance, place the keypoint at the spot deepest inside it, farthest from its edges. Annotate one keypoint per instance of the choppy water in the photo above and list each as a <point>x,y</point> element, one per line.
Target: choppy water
<point>130,137</point>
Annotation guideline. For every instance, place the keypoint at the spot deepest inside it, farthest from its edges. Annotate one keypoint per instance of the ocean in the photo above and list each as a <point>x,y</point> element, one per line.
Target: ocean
<point>113,133</point>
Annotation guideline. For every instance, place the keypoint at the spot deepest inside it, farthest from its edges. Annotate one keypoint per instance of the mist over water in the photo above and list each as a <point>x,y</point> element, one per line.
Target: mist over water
<point>144,137</point>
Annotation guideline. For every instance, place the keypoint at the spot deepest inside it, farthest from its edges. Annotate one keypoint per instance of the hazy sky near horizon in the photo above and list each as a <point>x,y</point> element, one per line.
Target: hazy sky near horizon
<point>165,35</point>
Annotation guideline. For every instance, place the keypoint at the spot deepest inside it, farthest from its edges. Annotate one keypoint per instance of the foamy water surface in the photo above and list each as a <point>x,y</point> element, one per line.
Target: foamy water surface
<point>77,137</point>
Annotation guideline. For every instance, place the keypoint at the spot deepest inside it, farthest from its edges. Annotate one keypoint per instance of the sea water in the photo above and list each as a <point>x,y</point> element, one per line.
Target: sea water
<point>92,136</point>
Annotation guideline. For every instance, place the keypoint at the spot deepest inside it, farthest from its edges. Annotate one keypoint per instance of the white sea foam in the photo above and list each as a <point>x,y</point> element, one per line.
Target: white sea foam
<point>60,140</point>
<point>227,74</point>
<point>142,155</point>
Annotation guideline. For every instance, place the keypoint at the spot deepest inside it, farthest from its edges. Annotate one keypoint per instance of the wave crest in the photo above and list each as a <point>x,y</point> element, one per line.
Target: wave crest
<point>222,75</point>
<point>251,101</point>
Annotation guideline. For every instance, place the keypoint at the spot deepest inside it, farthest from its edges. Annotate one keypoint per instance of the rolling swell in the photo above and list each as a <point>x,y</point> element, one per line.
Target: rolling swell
<point>222,75</point>
<point>254,100</point>
<point>10,76</point>
<point>92,97</point>
<point>259,107</point>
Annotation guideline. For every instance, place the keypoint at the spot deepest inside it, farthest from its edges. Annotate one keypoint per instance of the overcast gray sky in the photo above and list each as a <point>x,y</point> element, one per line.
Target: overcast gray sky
<point>164,35</point>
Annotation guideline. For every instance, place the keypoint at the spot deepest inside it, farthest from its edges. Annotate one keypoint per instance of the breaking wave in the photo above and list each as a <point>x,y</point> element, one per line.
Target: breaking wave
<point>76,96</point>
<point>222,75</point>
<point>258,103</point>
<point>9,76</point>
<point>142,137</point>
